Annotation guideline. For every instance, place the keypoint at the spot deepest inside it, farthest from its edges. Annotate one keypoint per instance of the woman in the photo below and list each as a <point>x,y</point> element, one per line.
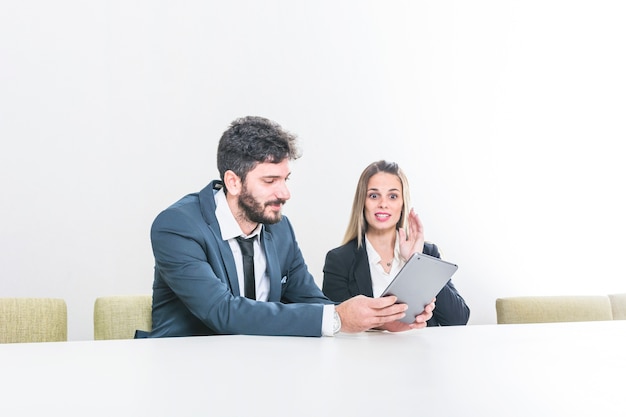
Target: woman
<point>382,234</point>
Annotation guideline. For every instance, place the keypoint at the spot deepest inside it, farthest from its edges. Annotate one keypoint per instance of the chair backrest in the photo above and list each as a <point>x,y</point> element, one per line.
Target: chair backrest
<point>618,305</point>
<point>546,309</point>
<point>119,316</point>
<point>33,320</point>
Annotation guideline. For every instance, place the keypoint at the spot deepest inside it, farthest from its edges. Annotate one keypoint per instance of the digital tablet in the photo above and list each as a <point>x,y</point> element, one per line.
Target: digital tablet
<point>418,282</point>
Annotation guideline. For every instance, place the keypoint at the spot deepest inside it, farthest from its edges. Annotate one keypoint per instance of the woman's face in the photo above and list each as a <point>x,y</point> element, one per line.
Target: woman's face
<point>383,202</point>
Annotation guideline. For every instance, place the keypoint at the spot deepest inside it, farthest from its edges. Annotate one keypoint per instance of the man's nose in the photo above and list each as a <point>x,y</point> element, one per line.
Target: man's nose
<point>282,192</point>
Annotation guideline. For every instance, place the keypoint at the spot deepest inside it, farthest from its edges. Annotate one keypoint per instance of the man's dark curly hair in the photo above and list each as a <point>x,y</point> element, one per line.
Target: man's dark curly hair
<point>251,140</point>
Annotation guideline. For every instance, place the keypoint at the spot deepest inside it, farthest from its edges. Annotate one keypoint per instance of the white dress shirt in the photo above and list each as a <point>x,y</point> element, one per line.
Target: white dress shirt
<point>380,278</point>
<point>230,231</point>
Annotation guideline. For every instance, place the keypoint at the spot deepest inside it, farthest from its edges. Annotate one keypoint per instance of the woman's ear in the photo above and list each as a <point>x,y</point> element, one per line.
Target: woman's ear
<point>232,182</point>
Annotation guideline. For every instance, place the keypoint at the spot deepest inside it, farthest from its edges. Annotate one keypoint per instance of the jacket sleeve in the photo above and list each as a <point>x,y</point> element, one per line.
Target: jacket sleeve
<point>335,284</point>
<point>450,307</point>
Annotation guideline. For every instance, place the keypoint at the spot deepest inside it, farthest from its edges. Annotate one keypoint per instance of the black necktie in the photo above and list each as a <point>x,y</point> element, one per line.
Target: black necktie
<point>247,249</point>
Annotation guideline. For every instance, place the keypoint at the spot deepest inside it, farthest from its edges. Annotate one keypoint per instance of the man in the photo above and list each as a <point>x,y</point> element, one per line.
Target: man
<point>200,269</point>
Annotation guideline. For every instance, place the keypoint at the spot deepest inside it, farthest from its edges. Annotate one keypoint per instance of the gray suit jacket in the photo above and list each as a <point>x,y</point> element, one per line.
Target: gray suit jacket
<point>196,290</point>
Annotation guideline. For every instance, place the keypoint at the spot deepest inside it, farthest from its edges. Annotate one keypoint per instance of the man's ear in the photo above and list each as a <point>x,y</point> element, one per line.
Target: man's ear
<point>232,182</point>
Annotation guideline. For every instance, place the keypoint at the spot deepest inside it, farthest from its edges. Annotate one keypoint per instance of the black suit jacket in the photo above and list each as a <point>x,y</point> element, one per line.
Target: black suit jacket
<point>347,274</point>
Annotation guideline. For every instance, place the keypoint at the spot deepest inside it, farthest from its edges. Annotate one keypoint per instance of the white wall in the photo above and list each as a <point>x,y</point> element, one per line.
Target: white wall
<point>506,115</point>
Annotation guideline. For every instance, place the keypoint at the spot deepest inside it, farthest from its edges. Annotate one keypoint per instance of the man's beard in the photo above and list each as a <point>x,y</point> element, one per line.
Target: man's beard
<point>255,211</point>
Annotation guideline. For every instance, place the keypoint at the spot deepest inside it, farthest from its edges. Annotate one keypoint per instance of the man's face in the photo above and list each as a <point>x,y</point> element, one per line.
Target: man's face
<point>264,192</point>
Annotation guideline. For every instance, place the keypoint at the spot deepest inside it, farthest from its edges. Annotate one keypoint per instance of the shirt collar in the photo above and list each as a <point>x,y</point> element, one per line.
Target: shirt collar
<point>228,224</point>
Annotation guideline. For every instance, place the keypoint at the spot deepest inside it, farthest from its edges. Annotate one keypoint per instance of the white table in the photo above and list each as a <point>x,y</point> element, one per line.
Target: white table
<point>480,370</point>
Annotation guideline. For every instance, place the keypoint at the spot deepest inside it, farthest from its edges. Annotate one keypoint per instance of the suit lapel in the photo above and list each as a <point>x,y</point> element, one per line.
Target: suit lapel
<point>207,208</point>
<point>228,261</point>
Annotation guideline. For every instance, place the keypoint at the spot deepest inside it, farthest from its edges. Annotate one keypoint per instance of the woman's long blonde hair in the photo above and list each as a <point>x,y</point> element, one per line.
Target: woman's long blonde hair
<point>357,227</point>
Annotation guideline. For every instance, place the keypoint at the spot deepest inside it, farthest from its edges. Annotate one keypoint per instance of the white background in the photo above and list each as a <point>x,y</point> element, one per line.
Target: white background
<point>507,116</point>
